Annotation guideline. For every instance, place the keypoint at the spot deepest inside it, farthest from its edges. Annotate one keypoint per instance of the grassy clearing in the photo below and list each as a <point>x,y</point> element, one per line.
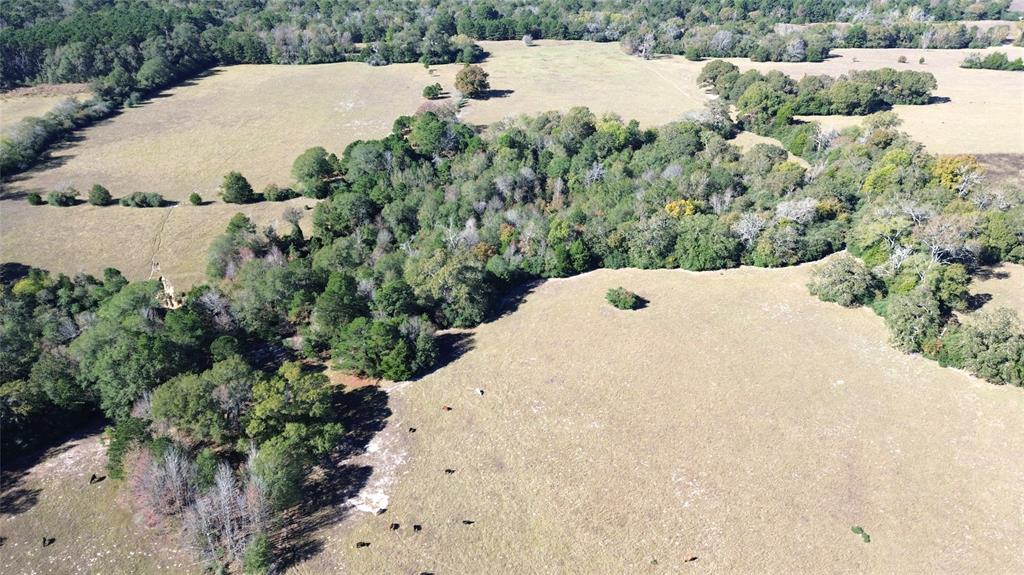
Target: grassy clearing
<point>1005,284</point>
<point>35,101</point>
<point>93,530</point>
<point>735,419</point>
<point>983,113</point>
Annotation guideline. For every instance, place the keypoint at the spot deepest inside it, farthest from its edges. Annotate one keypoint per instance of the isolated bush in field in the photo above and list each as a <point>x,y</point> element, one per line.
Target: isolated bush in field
<point>472,81</point>
<point>913,318</point>
<point>99,196</point>
<point>274,193</point>
<point>34,199</point>
<point>236,189</point>
<point>432,91</point>
<point>63,198</point>
<point>902,59</point>
<point>920,60</point>
<point>622,298</point>
<point>195,199</point>
<point>142,200</point>
<point>844,280</point>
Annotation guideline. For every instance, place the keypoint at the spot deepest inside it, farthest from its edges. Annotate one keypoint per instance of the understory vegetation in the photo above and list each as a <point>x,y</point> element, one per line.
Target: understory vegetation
<point>993,61</point>
<point>217,399</point>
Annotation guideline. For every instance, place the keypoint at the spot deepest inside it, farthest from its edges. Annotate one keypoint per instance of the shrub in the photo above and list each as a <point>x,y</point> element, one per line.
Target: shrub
<point>142,200</point>
<point>236,189</point>
<point>472,81</point>
<point>258,556</point>
<point>195,199</point>
<point>844,280</point>
<point>34,199</point>
<point>902,59</point>
<point>622,298</point>
<point>274,193</point>
<point>224,347</point>
<point>432,91</point>
<point>63,198</point>
<point>99,196</point>
<point>123,436</point>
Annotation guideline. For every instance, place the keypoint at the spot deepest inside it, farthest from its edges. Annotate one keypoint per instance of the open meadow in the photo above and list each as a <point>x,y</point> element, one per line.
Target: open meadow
<point>15,105</point>
<point>257,119</point>
<point>735,420</point>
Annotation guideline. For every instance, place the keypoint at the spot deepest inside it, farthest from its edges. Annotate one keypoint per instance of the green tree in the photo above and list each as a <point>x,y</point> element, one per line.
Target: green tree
<point>705,243</point>
<point>472,81</point>
<point>844,280</point>
<point>99,196</point>
<point>914,319</point>
<point>236,189</point>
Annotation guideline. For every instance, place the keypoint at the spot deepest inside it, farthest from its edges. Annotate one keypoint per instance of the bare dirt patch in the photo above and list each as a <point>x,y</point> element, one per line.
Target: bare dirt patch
<point>735,419</point>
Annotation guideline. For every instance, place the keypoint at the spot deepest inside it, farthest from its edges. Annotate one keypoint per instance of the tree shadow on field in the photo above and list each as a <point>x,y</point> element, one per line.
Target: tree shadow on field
<point>16,496</point>
<point>364,413</point>
<point>939,100</point>
<point>492,94</point>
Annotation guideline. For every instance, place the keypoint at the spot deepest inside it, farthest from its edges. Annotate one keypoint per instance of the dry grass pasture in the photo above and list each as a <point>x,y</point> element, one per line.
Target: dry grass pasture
<point>1005,284</point>
<point>984,113</point>
<point>735,419</point>
<point>257,119</point>
<point>92,527</point>
<point>20,103</point>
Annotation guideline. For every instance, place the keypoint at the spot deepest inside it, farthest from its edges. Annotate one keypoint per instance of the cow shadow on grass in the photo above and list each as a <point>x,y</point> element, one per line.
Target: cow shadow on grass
<point>364,413</point>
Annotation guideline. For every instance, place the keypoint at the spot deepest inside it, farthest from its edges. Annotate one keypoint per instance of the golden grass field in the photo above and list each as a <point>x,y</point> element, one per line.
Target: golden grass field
<point>1005,283</point>
<point>20,103</point>
<point>984,114</point>
<point>257,119</point>
<point>735,419</point>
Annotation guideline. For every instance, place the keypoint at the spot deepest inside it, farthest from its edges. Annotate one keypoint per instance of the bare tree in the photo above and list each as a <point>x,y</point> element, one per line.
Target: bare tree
<point>749,226</point>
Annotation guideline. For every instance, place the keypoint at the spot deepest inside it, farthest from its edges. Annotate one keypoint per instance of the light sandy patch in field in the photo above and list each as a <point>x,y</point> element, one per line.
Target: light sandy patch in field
<point>735,419</point>
<point>1005,283</point>
<point>18,104</point>
<point>94,531</point>
<point>984,114</point>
